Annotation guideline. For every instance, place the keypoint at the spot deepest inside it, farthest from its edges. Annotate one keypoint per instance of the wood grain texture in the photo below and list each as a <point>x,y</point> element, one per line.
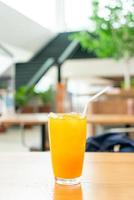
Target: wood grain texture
<point>106,176</point>
<point>110,119</point>
<point>42,118</point>
<point>109,106</point>
<point>24,119</point>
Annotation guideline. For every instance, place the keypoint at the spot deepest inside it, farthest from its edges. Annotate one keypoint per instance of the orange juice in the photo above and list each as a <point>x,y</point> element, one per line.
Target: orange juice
<point>67,193</point>
<point>67,135</point>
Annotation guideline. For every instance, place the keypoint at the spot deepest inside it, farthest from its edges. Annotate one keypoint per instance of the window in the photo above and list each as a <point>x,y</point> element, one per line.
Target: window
<point>41,11</point>
<point>55,14</point>
<point>77,13</point>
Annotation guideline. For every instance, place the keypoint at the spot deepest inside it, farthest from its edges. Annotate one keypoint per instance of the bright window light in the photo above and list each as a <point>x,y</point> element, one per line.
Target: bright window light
<point>77,13</point>
<point>41,11</point>
<point>59,15</point>
<point>47,80</point>
<point>45,12</point>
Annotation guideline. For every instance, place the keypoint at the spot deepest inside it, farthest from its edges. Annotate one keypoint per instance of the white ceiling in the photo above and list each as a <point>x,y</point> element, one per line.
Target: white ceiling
<point>20,31</point>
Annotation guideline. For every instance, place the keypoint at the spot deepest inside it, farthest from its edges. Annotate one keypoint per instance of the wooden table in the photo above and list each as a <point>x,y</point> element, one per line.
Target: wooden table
<point>107,119</point>
<point>42,120</point>
<point>106,176</point>
<point>28,119</point>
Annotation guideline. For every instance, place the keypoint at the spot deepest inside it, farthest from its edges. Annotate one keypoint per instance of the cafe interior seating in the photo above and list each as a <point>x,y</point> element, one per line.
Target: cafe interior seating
<point>119,103</point>
<point>67,100</point>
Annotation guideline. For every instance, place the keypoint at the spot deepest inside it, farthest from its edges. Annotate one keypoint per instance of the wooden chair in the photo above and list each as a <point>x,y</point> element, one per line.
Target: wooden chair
<point>113,106</point>
<point>109,106</point>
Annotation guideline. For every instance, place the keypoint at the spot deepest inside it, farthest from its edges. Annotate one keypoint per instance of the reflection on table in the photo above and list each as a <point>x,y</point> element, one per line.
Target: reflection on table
<point>67,192</point>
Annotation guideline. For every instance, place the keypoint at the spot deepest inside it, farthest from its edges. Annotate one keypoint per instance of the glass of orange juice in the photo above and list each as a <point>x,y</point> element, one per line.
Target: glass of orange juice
<point>67,136</point>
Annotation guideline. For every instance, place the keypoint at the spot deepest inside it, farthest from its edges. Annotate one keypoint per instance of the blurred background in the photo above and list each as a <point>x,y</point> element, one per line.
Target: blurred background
<point>56,54</point>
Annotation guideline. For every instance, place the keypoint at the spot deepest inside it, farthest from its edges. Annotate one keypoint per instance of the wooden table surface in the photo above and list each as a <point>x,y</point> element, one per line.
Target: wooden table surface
<point>108,119</point>
<point>24,119</point>
<point>40,118</point>
<point>28,119</point>
<point>111,119</point>
<point>28,176</point>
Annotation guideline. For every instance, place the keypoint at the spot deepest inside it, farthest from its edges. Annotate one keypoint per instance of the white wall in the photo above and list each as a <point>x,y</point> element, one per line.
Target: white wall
<point>94,67</point>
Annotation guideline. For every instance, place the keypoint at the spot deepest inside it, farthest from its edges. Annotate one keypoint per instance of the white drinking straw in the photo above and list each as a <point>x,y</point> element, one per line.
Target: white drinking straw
<point>94,97</point>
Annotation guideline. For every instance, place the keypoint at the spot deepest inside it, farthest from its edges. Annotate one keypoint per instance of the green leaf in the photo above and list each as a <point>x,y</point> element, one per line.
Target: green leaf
<point>113,36</point>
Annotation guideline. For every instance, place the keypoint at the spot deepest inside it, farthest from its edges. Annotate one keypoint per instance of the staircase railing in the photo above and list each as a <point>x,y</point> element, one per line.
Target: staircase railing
<point>68,51</point>
<point>45,67</point>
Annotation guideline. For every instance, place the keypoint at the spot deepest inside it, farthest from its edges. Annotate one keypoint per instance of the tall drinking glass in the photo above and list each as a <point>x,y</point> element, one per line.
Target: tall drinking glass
<point>67,136</point>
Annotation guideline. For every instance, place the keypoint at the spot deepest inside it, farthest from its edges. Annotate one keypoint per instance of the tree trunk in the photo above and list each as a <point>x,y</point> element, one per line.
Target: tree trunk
<point>127,80</point>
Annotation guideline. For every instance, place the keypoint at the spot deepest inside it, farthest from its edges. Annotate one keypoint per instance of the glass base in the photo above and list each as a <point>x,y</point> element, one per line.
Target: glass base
<point>63,181</point>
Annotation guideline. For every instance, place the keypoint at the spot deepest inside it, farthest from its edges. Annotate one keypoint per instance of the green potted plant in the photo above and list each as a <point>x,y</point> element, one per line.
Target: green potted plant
<point>47,98</point>
<point>113,35</point>
<point>22,98</point>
